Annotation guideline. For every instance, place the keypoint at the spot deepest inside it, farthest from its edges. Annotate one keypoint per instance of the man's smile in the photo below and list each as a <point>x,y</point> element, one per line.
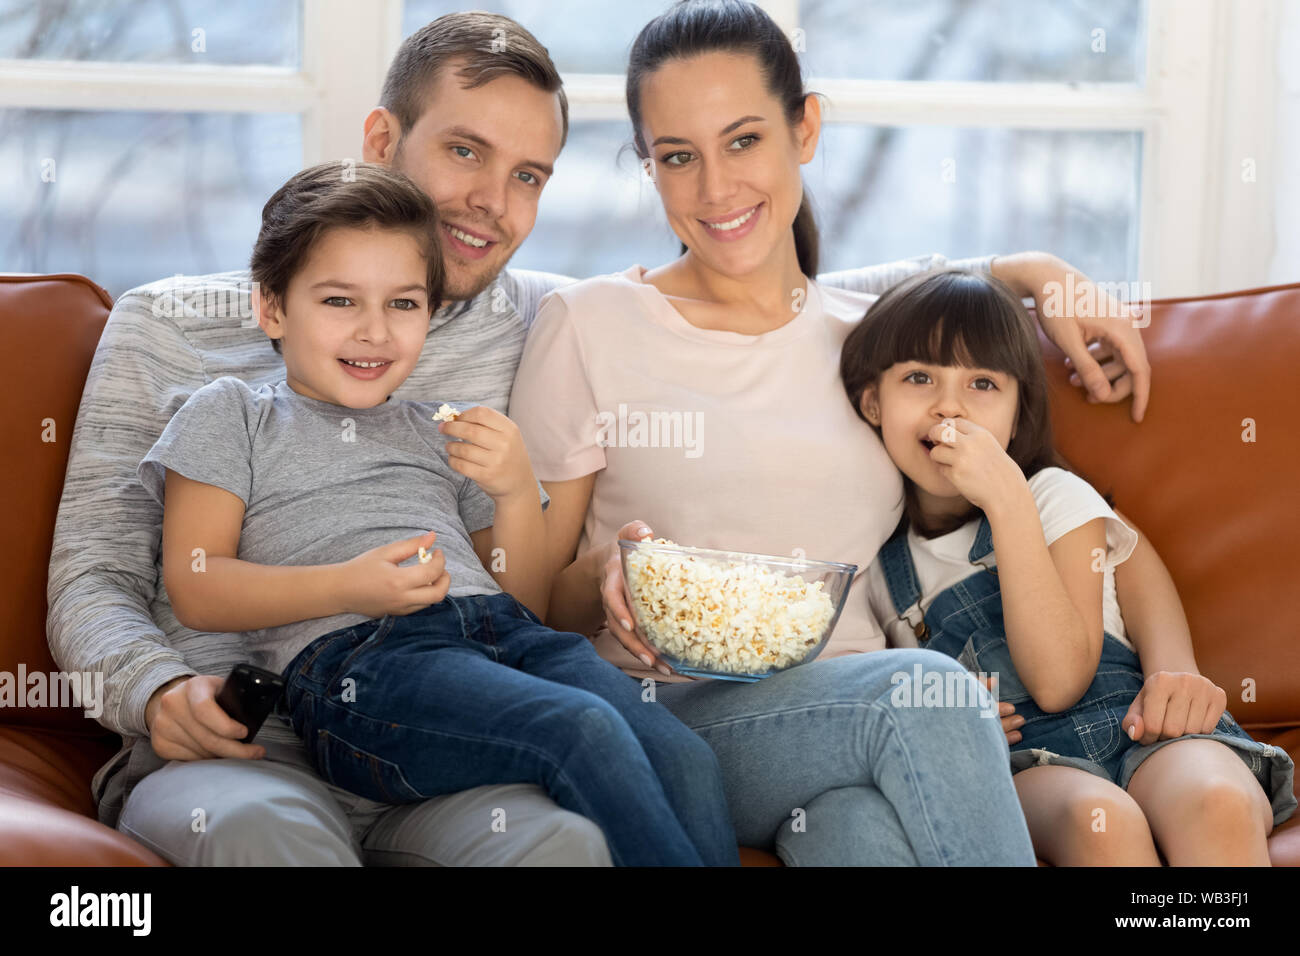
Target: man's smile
<point>467,242</point>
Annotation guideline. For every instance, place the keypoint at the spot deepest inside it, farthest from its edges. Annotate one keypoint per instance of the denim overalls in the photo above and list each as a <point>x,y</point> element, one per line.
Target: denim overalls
<point>965,621</point>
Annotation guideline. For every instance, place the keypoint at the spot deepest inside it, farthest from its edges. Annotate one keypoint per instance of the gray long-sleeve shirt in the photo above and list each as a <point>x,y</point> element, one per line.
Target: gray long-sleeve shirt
<point>163,342</point>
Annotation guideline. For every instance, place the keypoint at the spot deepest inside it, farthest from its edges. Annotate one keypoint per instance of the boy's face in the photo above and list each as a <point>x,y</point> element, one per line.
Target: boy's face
<point>483,156</point>
<point>912,397</point>
<point>361,296</point>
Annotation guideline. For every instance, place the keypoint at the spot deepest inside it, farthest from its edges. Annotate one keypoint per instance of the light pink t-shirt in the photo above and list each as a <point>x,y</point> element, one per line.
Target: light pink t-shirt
<point>755,446</point>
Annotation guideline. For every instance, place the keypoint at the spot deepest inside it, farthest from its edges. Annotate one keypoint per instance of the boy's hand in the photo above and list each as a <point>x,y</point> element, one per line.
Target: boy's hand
<point>373,584</point>
<point>1172,704</point>
<point>492,452</point>
<point>975,463</point>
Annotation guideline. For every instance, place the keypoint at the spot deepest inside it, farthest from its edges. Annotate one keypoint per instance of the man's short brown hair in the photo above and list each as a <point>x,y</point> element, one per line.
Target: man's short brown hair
<point>341,194</point>
<point>488,45</point>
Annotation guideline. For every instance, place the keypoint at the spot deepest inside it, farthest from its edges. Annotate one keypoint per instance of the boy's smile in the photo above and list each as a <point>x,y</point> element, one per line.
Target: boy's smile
<point>355,316</point>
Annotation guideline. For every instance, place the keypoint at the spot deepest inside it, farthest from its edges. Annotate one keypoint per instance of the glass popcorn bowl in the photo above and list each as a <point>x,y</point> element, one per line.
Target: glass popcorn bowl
<point>732,615</point>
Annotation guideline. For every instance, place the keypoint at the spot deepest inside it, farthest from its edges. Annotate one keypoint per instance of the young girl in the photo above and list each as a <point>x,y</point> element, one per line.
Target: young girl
<point>1004,559</point>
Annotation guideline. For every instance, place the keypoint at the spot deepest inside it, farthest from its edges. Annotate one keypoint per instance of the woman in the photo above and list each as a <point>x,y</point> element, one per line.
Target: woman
<point>736,341</point>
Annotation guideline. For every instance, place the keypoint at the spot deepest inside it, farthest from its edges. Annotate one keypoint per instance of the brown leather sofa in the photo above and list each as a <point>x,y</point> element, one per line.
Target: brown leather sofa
<point>1223,513</point>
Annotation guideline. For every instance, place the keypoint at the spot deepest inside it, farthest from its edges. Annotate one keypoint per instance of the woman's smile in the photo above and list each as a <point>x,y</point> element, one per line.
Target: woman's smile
<point>733,225</point>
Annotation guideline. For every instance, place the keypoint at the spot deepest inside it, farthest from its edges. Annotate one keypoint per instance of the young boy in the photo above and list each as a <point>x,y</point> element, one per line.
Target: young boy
<point>301,514</point>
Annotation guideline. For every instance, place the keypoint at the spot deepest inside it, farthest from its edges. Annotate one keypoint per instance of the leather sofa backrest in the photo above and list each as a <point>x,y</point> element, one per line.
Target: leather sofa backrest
<point>1223,512</point>
<point>51,326</point>
<point>1212,477</point>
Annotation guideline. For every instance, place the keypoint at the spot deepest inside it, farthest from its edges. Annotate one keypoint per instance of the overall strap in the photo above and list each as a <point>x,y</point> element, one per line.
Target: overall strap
<point>900,572</point>
<point>983,545</point>
<point>900,577</point>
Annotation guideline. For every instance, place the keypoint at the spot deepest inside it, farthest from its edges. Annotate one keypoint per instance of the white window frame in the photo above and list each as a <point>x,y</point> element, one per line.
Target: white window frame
<point>1206,108</point>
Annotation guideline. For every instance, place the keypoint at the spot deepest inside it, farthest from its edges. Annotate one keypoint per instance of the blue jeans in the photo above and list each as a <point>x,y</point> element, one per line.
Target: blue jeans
<point>823,766</point>
<point>476,690</point>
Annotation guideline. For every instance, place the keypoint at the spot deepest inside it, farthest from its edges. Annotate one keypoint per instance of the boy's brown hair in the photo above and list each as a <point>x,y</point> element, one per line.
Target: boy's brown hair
<point>487,46</point>
<point>956,317</point>
<point>341,194</point>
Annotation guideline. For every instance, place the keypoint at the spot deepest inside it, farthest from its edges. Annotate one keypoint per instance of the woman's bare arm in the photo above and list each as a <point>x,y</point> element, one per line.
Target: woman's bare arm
<point>575,583</point>
<point>1073,322</point>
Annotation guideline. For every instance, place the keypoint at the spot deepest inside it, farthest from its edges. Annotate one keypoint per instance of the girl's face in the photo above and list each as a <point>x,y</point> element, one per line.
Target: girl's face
<point>360,295</point>
<point>724,159</point>
<point>912,397</point>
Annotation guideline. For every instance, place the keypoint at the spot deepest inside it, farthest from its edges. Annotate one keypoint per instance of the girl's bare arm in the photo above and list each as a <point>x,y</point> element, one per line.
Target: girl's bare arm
<point>1154,618</point>
<point>1051,602</point>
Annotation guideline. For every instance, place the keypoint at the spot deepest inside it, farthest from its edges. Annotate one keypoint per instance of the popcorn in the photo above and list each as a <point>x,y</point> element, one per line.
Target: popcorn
<point>731,617</point>
<point>445,413</point>
<point>425,556</point>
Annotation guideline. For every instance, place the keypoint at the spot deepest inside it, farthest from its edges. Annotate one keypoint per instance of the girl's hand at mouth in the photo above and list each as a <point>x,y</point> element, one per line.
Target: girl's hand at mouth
<point>975,463</point>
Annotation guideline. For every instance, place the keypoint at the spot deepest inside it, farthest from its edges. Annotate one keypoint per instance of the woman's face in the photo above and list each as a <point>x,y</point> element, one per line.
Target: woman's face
<point>724,159</point>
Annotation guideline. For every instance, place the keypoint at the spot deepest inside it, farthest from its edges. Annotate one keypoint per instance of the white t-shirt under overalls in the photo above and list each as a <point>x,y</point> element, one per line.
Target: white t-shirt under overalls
<point>1065,501</point>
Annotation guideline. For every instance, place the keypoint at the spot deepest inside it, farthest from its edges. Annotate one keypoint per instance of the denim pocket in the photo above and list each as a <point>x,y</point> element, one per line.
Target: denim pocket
<point>382,627</point>
<point>361,772</point>
<point>1097,725</point>
<point>313,662</point>
<point>986,652</point>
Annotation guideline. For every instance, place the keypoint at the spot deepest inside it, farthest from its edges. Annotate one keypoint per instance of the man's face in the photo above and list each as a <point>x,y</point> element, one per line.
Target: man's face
<point>483,155</point>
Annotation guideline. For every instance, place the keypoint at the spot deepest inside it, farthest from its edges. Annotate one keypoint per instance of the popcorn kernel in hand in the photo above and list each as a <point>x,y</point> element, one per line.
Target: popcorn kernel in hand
<point>445,413</point>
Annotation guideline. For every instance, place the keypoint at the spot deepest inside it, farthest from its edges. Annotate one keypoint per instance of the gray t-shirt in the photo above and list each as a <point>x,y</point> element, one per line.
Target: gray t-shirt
<point>322,483</point>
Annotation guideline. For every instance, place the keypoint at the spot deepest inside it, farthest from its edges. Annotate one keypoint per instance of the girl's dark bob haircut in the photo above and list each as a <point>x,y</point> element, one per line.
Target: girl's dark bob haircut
<point>956,317</point>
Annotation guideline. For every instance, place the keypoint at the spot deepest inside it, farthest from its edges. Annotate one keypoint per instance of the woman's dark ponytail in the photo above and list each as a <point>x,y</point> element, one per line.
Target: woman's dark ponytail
<point>692,27</point>
<point>807,242</point>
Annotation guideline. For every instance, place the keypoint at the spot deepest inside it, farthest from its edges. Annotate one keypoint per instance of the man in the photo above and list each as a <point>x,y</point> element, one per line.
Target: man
<point>474,112</point>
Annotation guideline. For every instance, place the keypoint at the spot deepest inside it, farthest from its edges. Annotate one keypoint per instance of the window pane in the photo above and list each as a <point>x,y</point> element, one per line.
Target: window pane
<point>598,213</point>
<point>880,194</point>
<point>126,198</point>
<point>583,36</point>
<point>202,32</point>
<point>884,193</point>
<point>988,41</point>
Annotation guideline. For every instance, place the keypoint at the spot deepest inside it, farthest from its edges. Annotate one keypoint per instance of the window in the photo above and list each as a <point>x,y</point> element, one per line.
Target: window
<point>1133,137</point>
<point>127,197</point>
<point>1095,129</point>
